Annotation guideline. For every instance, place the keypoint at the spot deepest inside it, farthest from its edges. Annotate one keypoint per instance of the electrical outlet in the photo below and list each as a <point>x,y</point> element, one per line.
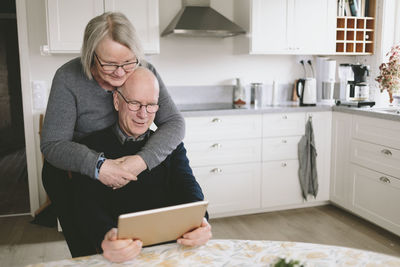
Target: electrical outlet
<point>302,61</point>
<point>305,58</point>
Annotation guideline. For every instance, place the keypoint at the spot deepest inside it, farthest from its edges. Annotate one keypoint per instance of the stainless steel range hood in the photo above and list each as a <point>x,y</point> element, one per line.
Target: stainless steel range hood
<point>197,18</point>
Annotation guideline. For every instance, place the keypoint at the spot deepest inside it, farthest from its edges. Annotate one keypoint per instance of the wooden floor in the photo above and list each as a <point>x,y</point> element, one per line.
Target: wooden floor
<point>23,243</point>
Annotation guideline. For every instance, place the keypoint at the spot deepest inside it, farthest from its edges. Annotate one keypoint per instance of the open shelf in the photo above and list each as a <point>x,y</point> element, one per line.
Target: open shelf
<point>356,35</point>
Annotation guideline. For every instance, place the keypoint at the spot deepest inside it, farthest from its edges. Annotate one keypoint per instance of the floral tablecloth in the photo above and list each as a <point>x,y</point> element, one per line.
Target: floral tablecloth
<point>241,253</point>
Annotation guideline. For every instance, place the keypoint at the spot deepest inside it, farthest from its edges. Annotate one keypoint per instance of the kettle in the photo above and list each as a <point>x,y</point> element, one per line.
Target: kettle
<point>306,90</point>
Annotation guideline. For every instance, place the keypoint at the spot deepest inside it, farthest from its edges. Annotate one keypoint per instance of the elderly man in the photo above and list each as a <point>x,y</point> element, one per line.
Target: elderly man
<point>171,183</point>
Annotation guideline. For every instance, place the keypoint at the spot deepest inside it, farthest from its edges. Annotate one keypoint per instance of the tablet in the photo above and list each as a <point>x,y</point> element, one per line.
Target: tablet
<point>163,224</point>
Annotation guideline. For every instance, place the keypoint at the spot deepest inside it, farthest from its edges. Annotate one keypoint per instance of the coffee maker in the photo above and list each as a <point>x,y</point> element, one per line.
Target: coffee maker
<point>353,79</point>
<point>358,89</point>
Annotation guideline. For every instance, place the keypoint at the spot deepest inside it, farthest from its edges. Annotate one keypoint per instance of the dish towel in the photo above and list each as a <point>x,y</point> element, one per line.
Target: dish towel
<point>307,162</point>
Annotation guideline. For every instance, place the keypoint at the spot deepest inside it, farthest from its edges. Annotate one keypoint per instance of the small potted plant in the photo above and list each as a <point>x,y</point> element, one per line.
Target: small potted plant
<point>389,78</point>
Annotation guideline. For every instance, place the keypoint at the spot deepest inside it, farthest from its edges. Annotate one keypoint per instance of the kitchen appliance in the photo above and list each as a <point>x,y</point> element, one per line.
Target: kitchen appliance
<point>345,74</point>
<point>307,91</point>
<point>328,81</point>
<point>197,18</point>
<point>358,89</point>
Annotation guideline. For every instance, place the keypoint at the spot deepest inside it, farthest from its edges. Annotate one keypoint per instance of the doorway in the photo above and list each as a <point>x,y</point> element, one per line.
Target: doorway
<point>14,190</point>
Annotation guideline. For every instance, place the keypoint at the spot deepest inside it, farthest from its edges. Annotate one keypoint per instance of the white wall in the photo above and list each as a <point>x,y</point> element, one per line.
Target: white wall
<point>182,61</point>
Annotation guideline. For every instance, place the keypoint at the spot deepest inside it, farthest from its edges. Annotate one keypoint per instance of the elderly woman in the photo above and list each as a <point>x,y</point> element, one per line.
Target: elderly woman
<point>80,103</point>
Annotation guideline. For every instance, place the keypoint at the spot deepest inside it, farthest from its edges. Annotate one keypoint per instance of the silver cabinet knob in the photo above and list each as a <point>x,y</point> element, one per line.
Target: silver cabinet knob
<point>384,179</point>
<point>387,152</point>
<point>284,117</point>
<point>284,141</point>
<point>216,146</point>
<point>216,170</point>
<point>216,120</point>
<point>284,164</point>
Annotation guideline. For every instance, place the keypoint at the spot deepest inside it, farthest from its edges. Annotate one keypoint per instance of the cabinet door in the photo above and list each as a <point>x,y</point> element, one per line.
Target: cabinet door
<point>269,27</point>
<point>340,164</point>
<point>283,124</point>
<point>376,157</point>
<point>280,184</point>
<point>230,188</point>
<point>322,124</point>
<point>224,152</point>
<point>376,197</point>
<point>66,22</point>
<point>144,16</point>
<point>222,128</point>
<point>313,28</point>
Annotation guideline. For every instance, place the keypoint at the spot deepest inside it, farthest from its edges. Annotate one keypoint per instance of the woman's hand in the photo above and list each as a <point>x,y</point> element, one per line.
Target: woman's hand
<point>113,174</point>
<point>198,236</point>
<point>134,164</point>
<point>119,250</point>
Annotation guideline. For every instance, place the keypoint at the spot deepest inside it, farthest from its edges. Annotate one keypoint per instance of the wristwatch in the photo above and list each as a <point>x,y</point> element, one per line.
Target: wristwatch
<point>99,163</point>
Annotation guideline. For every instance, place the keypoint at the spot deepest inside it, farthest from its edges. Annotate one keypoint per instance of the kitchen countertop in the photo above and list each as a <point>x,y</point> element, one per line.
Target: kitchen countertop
<point>219,109</point>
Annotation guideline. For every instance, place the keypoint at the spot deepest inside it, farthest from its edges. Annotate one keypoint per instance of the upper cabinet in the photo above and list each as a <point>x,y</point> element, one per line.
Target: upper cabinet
<point>293,26</point>
<point>67,19</point>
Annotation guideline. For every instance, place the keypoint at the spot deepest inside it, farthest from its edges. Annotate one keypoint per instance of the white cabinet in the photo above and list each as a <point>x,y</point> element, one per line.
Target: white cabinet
<point>366,168</point>
<point>144,16</point>
<point>281,135</point>
<point>225,154</point>
<point>249,163</point>
<point>340,164</point>
<point>66,21</point>
<point>280,183</point>
<point>230,189</point>
<point>293,26</point>
<point>375,196</point>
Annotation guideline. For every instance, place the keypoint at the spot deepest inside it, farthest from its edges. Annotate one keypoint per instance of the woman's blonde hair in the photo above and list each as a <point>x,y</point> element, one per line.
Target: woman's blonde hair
<point>114,25</point>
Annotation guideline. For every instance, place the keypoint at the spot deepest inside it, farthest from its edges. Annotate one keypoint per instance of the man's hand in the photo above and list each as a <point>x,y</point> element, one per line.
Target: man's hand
<point>134,164</point>
<point>198,236</point>
<point>113,174</point>
<point>119,250</point>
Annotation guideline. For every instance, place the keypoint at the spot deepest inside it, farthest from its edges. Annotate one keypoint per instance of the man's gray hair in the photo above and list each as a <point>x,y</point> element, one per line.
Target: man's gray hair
<point>114,25</point>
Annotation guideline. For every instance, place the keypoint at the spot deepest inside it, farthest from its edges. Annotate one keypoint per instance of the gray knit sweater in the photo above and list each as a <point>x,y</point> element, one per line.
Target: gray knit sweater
<point>78,106</point>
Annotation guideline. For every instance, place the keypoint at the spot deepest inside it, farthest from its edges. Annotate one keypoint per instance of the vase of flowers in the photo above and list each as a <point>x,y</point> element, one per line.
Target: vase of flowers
<point>389,78</point>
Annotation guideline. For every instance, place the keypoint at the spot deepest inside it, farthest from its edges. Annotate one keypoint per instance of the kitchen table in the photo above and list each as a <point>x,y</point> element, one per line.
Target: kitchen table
<point>240,253</point>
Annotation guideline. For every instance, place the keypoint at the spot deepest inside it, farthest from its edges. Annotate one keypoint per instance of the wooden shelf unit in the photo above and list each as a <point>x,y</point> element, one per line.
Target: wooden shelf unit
<point>356,35</point>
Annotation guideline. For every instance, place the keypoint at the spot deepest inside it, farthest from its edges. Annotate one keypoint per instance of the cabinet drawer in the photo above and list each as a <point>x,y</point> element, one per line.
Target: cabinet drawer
<point>377,131</point>
<point>283,124</point>
<point>222,127</point>
<point>376,197</point>
<point>376,157</point>
<point>224,152</point>
<point>280,148</point>
<point>230,188</point>
<point>280,183</point>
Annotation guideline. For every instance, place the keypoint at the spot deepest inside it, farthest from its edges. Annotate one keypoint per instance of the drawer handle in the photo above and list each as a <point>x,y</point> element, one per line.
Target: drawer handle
<point>216,170</point>
<point>387,152</point>
<point>284,164</point>
<point>216,120</point>
<point>284,117</point>
<point>385,180</point>
<point>284,141</point>
<point>216,146</point>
